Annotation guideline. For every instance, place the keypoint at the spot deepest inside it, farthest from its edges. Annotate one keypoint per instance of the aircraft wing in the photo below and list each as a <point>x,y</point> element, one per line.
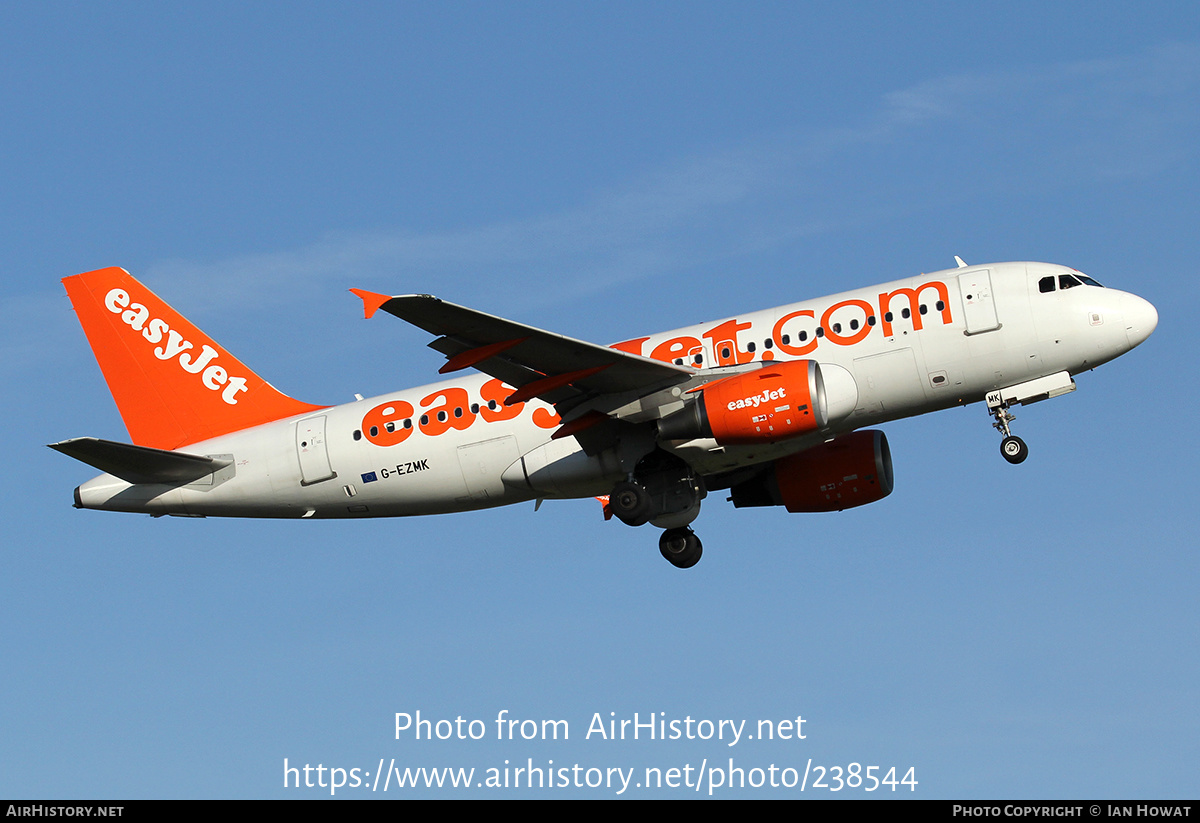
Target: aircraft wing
<point>557,369</point>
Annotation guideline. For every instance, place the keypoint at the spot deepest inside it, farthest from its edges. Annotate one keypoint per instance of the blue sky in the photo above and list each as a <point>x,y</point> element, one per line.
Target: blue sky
<point>604,170</point>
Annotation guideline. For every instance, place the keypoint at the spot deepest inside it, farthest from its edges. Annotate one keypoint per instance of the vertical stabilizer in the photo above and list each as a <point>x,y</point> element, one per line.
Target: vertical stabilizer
<point>172,383</point>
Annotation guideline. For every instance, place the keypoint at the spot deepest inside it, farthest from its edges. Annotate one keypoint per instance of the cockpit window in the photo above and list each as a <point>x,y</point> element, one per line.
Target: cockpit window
<point>1065,281</point>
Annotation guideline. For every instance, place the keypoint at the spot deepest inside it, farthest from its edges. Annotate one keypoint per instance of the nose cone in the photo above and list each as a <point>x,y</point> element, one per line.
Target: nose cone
<point>1141,318</point>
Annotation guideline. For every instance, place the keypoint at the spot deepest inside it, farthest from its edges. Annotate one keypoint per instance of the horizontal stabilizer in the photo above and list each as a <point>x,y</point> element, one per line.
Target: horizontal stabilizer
<point>140,464</point>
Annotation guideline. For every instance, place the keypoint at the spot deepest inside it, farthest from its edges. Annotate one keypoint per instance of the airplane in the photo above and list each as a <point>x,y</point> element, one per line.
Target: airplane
<point>770,406</point>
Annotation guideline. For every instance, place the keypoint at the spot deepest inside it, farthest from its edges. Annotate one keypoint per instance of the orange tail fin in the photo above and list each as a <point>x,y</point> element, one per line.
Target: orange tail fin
<point>173,384</point>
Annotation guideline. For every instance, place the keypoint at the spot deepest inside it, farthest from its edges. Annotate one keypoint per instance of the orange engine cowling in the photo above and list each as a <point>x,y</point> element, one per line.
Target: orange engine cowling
<point>852,470</point>
<point>773,403</point>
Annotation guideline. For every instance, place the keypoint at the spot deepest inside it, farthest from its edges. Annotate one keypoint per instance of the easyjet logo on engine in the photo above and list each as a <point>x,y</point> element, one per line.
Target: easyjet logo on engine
<point>213,376</point>
<point>756,400</point>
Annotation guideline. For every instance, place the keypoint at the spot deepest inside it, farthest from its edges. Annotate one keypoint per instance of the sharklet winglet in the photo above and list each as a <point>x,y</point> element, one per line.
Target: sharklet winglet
<point>371,301</point>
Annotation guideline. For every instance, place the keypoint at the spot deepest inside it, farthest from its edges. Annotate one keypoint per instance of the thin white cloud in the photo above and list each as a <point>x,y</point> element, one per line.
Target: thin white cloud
<point>1055,125</point>
<point>1071,121</point>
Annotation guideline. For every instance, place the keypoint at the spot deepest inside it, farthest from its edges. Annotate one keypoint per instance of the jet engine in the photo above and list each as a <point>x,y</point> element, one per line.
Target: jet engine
<point>777,402</point>
<point>852,470</point>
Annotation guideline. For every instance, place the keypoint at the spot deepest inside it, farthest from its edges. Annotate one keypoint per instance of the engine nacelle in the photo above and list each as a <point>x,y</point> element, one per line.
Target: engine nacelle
<point>852,470</point>
<point>777,402</point>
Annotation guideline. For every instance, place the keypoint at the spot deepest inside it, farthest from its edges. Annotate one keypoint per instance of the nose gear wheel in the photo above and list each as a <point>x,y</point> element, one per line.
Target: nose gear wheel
<point>1012,448</point>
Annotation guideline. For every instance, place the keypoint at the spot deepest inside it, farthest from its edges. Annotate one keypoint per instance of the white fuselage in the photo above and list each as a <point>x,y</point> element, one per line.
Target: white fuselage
<point>910,346</point>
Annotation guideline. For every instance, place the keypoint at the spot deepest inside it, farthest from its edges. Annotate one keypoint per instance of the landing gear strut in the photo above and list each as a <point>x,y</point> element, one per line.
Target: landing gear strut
<point>1012,447</point>
<point>681,547</point>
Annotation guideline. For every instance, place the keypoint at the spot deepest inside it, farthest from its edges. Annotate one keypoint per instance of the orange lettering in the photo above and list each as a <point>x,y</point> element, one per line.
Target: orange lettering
<point>676,347</point>
<point>454,413</point>
<point>495,391</point>
<point>632,346</point>
<point>724,343</point>
<point>846,340</point>
<point>913,295</point>
<point>384,424</point>
<point>545,418</point>
<point>777,334</point>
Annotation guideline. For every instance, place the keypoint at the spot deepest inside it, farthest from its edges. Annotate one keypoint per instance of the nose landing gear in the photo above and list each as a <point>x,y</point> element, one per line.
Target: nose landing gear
<point>1012,447</point>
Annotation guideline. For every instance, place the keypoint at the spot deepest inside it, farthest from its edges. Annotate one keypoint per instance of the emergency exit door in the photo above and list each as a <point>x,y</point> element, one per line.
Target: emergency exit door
<point>979,308</point>
<point>310,447</point>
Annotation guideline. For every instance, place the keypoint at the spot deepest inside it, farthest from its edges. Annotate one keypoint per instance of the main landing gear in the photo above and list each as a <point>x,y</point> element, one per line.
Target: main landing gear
<point>664,492</point>
<point>630,503</point>
<point>634,506</point>
<point>1012,447</point>
<point>681,547</point>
